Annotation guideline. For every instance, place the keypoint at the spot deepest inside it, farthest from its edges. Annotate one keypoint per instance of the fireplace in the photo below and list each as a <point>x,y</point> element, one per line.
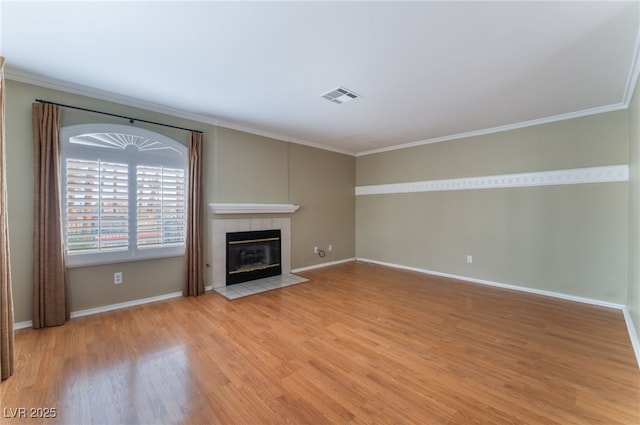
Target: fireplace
<point>253,255</point>
<point>221,226</point>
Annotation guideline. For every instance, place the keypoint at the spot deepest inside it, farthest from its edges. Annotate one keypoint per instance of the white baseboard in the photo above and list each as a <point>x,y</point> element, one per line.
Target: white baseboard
<point>501,285</point>
<point>22,325</point>
<point>633,334</point>
<point>111,307</point>
<point>321,265</point>
<point>635,343</point>
<point>125,304</point>
<point>627,317</point>
<point>105,308</point>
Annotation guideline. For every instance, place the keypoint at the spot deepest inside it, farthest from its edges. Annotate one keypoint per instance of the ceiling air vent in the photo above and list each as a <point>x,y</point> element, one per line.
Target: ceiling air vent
<point>340,95</point>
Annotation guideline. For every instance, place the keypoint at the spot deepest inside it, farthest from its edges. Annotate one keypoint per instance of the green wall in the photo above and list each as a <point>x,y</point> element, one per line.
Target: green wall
<point>582,142</point>
<point>322,182</point>
<point>250,168</point>
<point>271,171</point>
<point>570,239</point>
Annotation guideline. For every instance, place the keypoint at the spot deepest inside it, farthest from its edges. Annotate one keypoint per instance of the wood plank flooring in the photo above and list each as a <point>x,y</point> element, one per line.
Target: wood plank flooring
<point>360,343</point>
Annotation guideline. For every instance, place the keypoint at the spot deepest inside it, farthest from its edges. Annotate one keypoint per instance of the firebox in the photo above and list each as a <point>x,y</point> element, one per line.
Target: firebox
<point>253,255</point>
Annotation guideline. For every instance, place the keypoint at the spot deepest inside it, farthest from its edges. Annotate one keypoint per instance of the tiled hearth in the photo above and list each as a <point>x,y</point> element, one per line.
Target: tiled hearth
<point>222,226</point>
<point>260,285</point>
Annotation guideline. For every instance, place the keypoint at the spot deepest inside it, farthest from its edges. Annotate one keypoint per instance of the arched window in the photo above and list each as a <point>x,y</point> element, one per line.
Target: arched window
<point>123,194</point>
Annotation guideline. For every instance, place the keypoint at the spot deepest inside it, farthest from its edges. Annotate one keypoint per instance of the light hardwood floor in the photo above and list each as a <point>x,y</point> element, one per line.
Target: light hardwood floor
<point>360,343</point>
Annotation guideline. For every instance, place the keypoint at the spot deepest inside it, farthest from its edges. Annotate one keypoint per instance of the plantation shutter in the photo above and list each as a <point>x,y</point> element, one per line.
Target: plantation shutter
<point>160,206</point>
<point>97,203</point>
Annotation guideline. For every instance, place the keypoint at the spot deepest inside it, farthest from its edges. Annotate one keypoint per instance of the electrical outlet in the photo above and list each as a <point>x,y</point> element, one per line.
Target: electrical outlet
<point>469,259</point>
<point>117,278</point>
<point>315,249</point>
<point>330,247</point>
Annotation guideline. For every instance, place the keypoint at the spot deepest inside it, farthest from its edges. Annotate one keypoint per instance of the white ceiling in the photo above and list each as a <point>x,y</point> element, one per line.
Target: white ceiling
<point>427,71</point>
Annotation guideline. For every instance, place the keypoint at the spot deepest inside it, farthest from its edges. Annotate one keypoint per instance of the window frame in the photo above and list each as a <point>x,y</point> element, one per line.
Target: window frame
<point>173,155</point>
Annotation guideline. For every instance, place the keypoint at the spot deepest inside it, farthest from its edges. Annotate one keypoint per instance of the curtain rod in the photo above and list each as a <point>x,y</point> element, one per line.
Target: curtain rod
<point>131,119</point>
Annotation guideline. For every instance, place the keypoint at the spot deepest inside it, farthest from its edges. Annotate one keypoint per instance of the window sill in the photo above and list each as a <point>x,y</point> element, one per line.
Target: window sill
<point>79,263</point>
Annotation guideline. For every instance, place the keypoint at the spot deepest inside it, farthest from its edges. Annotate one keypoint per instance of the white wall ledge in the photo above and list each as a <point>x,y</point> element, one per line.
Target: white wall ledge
<point>224,208</point>
<point>603,174</point>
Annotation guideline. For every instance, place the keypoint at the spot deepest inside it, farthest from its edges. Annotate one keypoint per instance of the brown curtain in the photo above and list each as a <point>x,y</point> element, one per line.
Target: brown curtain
<point>193,279</point>
<point>50,297</point>
<point>6,300</point>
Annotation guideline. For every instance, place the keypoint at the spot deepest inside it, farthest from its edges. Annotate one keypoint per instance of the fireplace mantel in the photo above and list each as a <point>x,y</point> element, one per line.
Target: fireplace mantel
<point>224,208</point>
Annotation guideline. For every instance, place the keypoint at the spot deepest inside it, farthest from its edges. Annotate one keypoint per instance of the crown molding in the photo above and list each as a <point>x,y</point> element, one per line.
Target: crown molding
<point>68,87</point>
<point>604,174</point>
<point>79,89</point>
<point>632,80</point>
<point>499,129</point>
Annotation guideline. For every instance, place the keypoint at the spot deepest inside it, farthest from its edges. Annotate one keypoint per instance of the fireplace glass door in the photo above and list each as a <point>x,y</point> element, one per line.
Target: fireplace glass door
<point>253,255</point>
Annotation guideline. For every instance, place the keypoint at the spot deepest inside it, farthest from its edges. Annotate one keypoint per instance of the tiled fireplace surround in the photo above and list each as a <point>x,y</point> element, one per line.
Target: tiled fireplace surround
<point>223,226</point>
